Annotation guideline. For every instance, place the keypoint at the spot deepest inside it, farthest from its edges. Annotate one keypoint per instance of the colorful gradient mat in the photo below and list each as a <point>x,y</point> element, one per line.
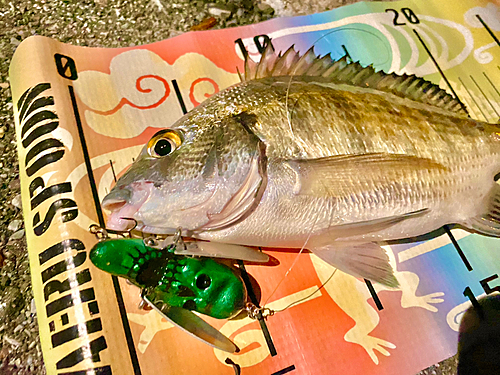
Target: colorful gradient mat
<point>82,115</point>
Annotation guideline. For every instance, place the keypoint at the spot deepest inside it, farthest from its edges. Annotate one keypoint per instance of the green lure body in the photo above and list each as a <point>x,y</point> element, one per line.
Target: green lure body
<point>193,283</point>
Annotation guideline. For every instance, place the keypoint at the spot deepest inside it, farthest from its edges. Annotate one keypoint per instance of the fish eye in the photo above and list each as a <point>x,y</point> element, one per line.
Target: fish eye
<point>164,143</point>
<point>203,281</point>
<point>163,147</point>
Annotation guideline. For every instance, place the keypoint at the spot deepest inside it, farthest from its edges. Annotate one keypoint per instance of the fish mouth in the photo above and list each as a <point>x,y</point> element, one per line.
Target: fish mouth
<point>123,203</point>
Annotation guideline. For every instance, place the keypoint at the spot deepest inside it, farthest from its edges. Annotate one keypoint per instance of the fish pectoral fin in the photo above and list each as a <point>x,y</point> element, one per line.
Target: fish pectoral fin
<point>192,323</point>
<point>488,223</point>
<point>345,175</point>
<point>367,226</point>
<point>365,260</point>
<point>222,250</point>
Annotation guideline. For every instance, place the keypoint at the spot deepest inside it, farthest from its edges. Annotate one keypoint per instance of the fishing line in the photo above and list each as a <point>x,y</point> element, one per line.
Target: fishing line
<point>342,29</point>
<point>296,258</point>
<point>286,105</point>
<point>310,295</point>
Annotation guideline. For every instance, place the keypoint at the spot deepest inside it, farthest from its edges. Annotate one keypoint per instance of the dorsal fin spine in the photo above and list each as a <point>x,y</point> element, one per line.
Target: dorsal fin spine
<point>290,63</point>
<point>361,77</point>
<point>316,67</point>
<point>264,63</point>
<point>304,62</point>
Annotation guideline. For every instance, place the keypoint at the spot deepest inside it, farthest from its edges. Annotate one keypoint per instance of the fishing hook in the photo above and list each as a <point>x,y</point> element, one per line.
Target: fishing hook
<point>143,303</point>
<point>176,240</point>
<point>131,219</point>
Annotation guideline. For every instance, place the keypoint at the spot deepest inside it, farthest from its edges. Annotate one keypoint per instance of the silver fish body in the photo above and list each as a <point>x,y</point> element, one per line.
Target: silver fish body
<point>284,160</point>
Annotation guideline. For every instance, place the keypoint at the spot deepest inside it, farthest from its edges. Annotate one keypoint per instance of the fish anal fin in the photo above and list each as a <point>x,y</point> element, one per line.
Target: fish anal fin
<point>364,260</point>
<point>344,175</point>
<point>363,227</point>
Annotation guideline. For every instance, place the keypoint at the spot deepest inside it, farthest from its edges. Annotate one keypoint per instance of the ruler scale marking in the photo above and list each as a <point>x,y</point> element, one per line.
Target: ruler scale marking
<point>472,98</point>
<point>440,70</point>
<point>488,29</point>
<point>485,97</point>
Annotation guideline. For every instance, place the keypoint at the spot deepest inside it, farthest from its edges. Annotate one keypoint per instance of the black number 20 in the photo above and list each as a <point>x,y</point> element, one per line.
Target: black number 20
<point>407,12</point>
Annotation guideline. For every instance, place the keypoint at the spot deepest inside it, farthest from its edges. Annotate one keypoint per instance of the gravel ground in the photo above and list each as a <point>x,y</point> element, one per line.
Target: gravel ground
<point>103,23</point>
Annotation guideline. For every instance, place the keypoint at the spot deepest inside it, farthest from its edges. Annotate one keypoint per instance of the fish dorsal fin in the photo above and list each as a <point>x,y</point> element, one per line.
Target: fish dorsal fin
<point>291,63</point>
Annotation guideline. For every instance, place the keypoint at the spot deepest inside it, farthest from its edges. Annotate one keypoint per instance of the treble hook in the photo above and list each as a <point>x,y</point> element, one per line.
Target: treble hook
<point>176,241</point>
<point>123,232</point>
<point>143,304</point>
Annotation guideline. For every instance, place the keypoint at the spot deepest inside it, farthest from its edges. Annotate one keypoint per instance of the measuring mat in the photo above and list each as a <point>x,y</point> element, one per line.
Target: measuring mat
<point>83,115</point>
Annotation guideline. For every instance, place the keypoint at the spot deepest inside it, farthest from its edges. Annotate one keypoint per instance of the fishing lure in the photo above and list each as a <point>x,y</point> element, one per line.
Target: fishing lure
<point>178,277</point>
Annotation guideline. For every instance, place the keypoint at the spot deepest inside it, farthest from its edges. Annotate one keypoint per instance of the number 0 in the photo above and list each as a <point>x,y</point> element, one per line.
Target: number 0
<point>410,15</point>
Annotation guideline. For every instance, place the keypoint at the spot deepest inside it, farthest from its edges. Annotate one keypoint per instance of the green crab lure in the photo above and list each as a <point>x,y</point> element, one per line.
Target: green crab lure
<point>178,277</point>
<point>197,284</point>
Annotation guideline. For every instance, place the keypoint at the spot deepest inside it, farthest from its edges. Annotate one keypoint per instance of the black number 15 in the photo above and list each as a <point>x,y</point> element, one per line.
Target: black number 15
<point>485,284</point>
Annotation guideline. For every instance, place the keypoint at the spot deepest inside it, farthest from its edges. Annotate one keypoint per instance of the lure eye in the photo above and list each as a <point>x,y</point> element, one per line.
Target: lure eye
<point>203,281</point>
<point>164,143</point>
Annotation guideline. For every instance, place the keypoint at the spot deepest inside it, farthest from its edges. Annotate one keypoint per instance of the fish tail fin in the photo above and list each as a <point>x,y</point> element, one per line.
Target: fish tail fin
<point>488,223</point>
<point>365,260</point>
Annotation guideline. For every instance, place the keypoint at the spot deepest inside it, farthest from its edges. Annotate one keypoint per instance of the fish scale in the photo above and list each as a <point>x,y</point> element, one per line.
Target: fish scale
<point>368,130</point>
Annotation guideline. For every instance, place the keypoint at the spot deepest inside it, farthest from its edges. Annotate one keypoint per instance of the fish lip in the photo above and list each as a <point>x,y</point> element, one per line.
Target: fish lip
<point>116,199</point>
<point>122,210</point>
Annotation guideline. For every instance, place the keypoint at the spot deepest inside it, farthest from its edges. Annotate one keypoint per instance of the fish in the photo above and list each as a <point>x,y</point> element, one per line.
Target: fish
<point>176,282</point>
<point>316,153</point>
